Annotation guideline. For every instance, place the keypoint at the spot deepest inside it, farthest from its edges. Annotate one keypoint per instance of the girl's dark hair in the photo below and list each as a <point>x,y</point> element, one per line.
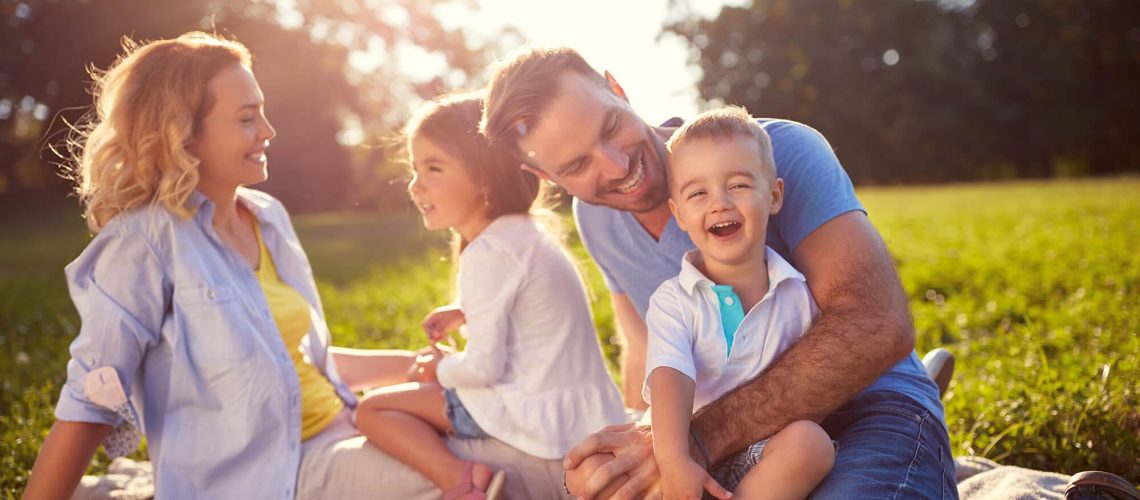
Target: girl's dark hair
<point>451,121</point>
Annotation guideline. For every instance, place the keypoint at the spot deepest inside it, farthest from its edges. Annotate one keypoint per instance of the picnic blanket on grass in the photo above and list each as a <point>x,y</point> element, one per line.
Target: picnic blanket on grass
<point>978,479</point>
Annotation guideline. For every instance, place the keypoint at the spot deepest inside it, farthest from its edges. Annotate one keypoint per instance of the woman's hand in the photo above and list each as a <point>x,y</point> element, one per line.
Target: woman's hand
<point>442,320</point>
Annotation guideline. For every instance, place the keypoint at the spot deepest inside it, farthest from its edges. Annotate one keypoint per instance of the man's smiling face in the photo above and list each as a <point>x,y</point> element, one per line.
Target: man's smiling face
<point>590,142</point>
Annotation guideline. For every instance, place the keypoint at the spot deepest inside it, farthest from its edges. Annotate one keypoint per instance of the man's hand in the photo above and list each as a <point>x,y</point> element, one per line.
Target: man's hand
<point>632,469</point>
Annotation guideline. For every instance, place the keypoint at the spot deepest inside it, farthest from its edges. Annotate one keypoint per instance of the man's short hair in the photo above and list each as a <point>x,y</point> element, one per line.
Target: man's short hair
<point>522,86</point>
<point>724,124</point>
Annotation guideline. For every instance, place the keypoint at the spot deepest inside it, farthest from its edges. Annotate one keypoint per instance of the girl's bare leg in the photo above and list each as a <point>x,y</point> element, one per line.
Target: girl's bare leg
<point>406,421</point>
<point>366,368</point>
<point>795,460</point>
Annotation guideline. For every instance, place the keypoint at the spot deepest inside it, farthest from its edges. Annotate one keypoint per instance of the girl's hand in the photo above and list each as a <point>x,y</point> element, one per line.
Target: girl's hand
<point>424,369</point>
<point>687,480</point>
<point>442,320</point>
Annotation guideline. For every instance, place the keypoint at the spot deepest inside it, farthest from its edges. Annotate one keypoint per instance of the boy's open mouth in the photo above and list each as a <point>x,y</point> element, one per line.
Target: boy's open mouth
<point>724,229</point>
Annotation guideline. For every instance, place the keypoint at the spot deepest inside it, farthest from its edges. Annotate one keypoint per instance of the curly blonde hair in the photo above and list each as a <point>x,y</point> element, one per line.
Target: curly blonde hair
<point>131,150</point>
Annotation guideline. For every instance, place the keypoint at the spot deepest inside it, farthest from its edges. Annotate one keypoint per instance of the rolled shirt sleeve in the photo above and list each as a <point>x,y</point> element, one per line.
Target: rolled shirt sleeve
<point>670,336</point>
<point>119,288</point>
<point>489,279</point>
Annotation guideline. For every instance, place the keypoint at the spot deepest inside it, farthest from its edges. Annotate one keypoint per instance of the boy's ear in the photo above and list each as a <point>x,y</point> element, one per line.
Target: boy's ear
<point>777,197</point>
<point>676,217</point>
<point>615,86</point>
<point>541,175</point>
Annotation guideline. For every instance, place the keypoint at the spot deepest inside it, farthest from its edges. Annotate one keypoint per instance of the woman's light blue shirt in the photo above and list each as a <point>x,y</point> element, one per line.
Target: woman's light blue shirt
<point>182,319</point>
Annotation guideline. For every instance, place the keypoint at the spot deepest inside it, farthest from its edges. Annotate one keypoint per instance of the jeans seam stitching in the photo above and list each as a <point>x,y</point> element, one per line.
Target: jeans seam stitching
<point>914,459</point>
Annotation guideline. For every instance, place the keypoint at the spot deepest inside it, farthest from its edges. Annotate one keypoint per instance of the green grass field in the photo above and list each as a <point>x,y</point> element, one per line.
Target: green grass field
<point>1034,286</point>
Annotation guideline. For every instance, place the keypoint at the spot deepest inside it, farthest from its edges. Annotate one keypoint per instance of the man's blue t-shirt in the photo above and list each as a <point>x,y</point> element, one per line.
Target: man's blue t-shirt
<point>816,190</point>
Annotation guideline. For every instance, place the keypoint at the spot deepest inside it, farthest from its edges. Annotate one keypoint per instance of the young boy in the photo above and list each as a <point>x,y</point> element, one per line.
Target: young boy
<point>735,308</point>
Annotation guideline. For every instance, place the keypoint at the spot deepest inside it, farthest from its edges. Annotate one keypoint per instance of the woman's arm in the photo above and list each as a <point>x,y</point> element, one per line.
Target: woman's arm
<point>63,458</point>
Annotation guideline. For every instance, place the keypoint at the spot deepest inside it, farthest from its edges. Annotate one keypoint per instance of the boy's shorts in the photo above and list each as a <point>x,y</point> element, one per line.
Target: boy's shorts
<point>462,425</point>
<point>731,470</point>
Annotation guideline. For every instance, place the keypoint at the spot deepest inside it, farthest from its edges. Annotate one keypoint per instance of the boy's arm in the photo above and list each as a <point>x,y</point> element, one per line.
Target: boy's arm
<point>634,334</point>
<point>672,395</point>
<point>682,476</point>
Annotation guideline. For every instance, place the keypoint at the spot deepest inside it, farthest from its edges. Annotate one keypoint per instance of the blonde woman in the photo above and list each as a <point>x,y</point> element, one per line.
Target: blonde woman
<point>201,323</point>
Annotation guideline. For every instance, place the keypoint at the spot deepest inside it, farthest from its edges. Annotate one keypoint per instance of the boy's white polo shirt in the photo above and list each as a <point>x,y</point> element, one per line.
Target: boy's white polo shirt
<point>685,332</point>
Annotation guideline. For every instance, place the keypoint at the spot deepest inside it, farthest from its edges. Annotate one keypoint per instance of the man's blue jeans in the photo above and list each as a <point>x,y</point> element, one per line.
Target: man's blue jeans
<point>889,447</point>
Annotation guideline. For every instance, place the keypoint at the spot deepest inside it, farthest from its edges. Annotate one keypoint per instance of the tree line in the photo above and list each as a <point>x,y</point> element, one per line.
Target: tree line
<point>906,90</point>
<point>924,91</point>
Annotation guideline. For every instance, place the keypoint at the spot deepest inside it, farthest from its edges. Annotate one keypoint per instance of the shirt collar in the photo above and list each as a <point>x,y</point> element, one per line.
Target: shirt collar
<point>778,270</point>
<point>257,205</point>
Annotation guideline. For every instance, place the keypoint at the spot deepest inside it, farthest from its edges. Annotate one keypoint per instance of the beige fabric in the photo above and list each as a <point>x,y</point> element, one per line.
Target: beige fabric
<point>126,479</point>
<point>339,463</point>
<point>984,479</point>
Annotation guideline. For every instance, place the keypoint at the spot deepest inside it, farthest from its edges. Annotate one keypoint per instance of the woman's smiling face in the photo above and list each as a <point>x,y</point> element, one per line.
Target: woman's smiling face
<point>231,141</point>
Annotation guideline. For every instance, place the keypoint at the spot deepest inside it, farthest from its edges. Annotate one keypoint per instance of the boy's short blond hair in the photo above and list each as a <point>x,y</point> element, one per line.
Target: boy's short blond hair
<point>724,124</point>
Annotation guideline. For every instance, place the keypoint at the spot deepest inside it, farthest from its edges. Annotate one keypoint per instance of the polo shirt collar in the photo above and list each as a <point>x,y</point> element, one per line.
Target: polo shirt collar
<point>778,270</point>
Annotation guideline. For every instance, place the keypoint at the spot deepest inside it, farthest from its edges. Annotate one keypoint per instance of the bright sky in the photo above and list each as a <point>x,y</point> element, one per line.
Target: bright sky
<point>621,36</point>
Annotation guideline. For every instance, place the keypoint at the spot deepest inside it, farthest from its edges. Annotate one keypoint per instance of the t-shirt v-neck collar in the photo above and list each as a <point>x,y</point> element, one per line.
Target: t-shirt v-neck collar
<point>669,234</point>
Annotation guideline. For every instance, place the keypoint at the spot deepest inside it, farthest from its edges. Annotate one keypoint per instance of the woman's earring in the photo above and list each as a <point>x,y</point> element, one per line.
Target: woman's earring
<point>486,200</point>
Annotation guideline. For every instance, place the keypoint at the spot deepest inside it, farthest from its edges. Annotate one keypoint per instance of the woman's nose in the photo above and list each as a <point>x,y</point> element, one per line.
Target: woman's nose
<point>268,132</point>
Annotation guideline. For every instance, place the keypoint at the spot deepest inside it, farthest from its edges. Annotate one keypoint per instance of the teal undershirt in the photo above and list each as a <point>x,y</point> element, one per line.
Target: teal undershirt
<point>731,312</point>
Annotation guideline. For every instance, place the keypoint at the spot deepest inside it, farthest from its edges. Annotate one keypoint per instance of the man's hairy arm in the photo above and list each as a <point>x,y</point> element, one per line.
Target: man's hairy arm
<point>634,334</point>
<point>864,327</point>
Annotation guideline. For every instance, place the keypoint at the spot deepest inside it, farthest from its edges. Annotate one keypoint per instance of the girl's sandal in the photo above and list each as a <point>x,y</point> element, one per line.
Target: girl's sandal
<point>466,489</point>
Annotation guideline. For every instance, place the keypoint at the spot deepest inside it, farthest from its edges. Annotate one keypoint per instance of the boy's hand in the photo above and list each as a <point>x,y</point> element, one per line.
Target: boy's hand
<point>686,480</point>
<point>442,320</point>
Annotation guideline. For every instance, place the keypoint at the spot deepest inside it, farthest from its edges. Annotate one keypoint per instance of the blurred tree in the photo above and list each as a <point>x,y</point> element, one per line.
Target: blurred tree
<point>336,77</point>
<point>914,90</point>
<point>1062,77</point>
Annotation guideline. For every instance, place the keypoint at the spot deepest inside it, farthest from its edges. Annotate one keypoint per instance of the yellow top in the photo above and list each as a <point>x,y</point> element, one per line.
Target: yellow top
<point>319,401</point>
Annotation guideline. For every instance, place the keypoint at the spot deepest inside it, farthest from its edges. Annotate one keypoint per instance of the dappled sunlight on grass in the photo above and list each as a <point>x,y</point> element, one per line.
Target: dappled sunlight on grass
<point>1032,285</point>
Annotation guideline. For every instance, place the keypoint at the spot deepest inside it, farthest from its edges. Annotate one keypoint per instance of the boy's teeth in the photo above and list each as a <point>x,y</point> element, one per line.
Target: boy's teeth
<point>724,228</point>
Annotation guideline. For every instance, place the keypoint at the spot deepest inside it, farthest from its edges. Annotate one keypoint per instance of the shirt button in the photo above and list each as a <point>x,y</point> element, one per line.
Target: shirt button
<point>210,294</point>
<point>729,301</point>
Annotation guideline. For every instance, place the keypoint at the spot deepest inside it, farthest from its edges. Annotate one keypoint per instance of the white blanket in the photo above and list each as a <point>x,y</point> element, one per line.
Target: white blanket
<point>978,479</point>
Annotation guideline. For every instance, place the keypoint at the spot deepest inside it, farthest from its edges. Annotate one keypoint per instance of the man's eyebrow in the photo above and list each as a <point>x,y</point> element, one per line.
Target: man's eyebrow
<point>565,168</point>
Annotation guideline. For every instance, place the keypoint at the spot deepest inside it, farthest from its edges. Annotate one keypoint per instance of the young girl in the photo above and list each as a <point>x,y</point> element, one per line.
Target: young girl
<point>532,373</point>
